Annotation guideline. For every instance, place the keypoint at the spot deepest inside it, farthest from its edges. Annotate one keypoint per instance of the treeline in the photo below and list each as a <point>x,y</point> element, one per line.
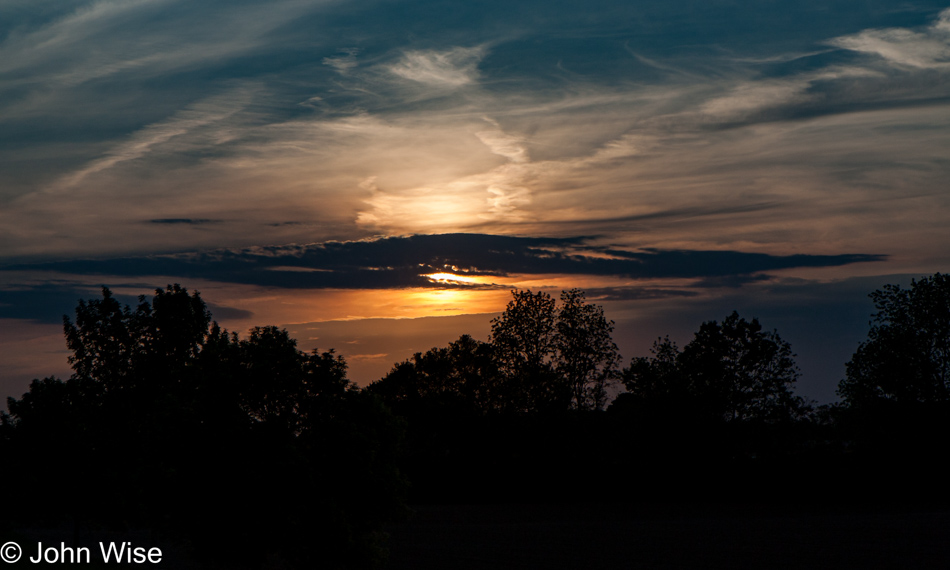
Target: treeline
<point>522,418</point>
<point>248,451</point>
<point>252,447</point>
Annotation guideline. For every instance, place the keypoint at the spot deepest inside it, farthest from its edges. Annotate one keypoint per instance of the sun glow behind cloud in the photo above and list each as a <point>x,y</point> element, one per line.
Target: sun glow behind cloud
<point>292,307</point>
<point>450,278</point>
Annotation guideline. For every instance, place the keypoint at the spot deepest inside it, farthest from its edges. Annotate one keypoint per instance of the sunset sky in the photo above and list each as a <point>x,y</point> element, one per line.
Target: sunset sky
<point>376,176</point>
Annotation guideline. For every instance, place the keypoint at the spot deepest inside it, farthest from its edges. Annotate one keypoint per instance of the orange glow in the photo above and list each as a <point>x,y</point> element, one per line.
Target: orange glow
<point>287,306</point>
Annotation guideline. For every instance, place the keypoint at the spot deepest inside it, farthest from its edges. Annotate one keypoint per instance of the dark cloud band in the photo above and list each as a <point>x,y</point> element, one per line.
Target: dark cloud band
<point>398,262</point>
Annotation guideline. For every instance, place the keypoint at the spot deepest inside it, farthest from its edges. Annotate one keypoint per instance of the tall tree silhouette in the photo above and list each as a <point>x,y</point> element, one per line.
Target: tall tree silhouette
<point>906,357</point>
<point>106,340</point>
<point>271,377</point>
<point>524,344</point>
<point>555,357</point>
<point>586,355</point>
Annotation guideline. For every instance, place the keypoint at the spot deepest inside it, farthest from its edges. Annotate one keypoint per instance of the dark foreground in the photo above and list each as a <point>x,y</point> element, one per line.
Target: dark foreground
<point>618,536</point>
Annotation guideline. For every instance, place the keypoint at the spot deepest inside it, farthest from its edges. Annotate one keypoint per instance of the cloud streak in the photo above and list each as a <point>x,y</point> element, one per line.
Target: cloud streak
<point>405,262</point>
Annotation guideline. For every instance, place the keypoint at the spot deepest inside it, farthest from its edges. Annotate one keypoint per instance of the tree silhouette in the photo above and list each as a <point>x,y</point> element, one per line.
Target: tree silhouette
<point>554,358</point>
<point>271,377</point>
<point>587,357</point>
<point>106,341</point>
<point>733,371</point>
<point>524,347</point>
<point>463,375</point>
<point>658,379</point>
<point>906,357</point>
<point>242,446</point>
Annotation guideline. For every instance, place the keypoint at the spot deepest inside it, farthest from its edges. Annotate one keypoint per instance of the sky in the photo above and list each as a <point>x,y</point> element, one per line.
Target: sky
<point>377,176</point>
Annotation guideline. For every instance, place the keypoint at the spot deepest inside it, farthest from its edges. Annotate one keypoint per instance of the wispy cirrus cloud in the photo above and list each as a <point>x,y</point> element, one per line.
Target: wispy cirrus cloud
<point>144,37</point>
<point>503,144</point>
<point>345,62</point>
<point>450,68</point>
<point>204,113</point>
<point>928,48</point>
